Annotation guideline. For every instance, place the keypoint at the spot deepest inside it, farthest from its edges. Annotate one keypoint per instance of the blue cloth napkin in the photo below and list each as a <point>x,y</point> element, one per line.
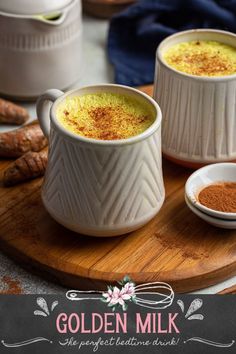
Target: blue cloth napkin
<point>135,33</point>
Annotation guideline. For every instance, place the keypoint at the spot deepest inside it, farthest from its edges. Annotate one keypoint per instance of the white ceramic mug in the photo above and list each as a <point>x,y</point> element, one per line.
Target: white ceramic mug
<point>98,187</point>
<point>199,113</point>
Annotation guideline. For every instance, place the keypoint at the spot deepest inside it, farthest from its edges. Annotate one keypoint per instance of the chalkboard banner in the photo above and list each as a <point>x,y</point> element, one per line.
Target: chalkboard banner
<point>126,318</point>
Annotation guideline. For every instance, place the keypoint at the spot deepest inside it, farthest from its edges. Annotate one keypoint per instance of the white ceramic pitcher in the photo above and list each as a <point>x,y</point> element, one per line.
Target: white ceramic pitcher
<point>40,46</point>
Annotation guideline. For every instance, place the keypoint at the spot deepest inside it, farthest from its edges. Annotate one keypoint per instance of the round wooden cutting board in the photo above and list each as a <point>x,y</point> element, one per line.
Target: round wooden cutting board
<point>176,247</point>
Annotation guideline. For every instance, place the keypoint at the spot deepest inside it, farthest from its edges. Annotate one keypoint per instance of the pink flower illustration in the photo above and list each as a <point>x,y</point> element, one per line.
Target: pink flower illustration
<point>108,295</point>
<point>129,290</point>
<point>115,296</point>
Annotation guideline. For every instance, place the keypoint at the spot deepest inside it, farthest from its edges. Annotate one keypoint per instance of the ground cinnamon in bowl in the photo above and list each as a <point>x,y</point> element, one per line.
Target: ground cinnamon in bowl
<point>220,197</point>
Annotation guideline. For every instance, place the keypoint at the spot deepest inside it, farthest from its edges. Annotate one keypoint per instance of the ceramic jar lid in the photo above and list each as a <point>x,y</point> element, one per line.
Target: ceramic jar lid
<point>32,7</point>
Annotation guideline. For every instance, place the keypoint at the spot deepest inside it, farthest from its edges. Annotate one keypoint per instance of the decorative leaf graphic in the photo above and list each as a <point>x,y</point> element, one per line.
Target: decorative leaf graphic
<point>40,313</point>
<point>181,305</point>
<point>194,306</point>
<point>196,317</point>
<point>42,303</point>
<point>54,304</point>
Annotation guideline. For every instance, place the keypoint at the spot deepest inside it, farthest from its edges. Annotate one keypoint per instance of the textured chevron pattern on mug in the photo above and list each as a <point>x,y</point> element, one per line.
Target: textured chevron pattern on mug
<point>124,188</point>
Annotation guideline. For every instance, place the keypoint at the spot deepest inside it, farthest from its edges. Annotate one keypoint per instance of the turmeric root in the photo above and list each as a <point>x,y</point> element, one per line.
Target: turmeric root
<point>17,142</point>
<point>30,165</point>
<point>11,113</point>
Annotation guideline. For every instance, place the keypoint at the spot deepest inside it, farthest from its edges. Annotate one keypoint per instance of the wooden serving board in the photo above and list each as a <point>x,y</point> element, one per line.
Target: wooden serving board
<point>105,8</point>
<point>176,246</point>
<point>228,291</point>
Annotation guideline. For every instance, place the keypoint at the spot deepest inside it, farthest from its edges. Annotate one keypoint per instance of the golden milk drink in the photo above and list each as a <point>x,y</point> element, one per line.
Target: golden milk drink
<point>105,116</point>
<point>202,58</point>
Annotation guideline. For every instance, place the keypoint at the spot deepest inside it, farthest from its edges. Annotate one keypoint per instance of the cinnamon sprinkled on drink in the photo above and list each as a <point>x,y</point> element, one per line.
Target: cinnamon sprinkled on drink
<point>220,197</point>
<point>105,116</point>
<point>207,64</point>
<point>107,122</point>
<point>202,58</point>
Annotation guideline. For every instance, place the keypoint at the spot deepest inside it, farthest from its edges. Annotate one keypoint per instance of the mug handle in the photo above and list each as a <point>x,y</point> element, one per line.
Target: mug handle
<point>43,107</point>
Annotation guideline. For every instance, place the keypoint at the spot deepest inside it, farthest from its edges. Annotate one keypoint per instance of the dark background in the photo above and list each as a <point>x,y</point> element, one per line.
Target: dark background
<point>18,323</point>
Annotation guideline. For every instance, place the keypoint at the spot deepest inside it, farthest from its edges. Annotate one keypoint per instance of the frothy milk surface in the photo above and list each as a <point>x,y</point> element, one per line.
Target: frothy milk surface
<point>105,116</point>
<point>202,58</point>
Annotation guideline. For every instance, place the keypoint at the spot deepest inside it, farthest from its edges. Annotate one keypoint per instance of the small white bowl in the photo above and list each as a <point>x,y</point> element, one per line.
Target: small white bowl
<point>223,224</point>
<point>215,173</point>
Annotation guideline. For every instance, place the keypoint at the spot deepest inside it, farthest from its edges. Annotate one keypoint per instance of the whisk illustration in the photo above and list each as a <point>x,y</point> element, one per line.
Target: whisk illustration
<point>154,295</point>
